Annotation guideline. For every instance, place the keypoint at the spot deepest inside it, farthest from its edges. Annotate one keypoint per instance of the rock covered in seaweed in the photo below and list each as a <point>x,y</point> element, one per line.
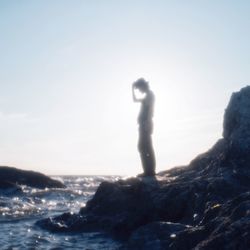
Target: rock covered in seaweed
<point>204,205</point>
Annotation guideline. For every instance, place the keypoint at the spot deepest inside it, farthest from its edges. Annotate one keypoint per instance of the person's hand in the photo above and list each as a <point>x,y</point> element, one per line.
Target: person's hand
<point>134,88</point>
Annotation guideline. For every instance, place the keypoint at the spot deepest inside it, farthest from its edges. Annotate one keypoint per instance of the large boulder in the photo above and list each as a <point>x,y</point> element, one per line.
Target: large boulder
<point>10,177</point>
<point>204,205</point>
<point>237,121</point>
<point>118,208</point>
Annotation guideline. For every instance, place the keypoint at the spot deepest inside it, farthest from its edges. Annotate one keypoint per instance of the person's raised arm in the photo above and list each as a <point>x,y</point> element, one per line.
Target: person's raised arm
<point>135,99</point>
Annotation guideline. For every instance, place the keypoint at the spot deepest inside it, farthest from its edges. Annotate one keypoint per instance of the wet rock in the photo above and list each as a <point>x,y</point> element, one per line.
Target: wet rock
<point>225,226</point>
<point>211,195</point>
<point>118,208</point>
<point>9,188</point>
<point>10,176</point>
<point>156,235</point>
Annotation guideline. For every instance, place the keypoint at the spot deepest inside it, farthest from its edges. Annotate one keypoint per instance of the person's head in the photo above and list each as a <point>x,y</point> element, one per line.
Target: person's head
<point>142,85</point>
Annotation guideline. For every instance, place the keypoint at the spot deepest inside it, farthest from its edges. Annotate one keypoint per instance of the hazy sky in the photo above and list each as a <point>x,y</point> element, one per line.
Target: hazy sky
<point>66,69</point>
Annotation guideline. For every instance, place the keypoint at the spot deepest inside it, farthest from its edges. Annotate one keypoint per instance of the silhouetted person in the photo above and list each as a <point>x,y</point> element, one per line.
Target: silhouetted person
<point>145,121</point>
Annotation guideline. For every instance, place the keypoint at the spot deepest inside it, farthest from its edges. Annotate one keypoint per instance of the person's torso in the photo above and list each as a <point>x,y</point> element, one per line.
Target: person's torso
<point>147,109</point>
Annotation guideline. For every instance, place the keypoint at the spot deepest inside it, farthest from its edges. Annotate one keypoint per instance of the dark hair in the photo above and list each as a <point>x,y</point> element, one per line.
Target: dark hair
<point>141,83</point>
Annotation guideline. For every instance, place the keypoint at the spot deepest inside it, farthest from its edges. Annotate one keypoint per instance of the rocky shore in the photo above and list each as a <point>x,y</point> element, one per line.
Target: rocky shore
<point>11,178</point>
<point>205,205</point>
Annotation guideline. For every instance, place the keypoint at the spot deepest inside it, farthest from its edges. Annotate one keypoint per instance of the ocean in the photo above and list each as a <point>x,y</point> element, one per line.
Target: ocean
<point>20,211</point>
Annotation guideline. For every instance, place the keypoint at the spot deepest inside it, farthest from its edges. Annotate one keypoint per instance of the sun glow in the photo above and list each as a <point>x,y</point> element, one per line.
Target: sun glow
<point>180,121</point>
<point>73,82</point>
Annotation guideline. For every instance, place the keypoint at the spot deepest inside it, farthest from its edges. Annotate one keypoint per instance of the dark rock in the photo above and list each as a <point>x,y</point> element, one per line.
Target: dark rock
<point>8,188</point>
<point>225,226</point>
<point>156,235</point>
<point>10,176</point>
<point>7,185</point>
<point>210,195</point>
<point>117,207</point>
<point>237,121</point>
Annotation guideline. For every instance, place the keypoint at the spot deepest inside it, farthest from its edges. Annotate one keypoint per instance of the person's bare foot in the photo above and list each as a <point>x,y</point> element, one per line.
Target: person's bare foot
<point>145,175</point>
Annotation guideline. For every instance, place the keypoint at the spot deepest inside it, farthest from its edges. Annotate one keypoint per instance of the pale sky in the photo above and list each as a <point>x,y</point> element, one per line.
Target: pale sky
<point>66,69</point>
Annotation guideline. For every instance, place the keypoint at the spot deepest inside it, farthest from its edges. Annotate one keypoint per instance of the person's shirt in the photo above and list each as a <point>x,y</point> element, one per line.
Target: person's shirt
<point>147,109</point>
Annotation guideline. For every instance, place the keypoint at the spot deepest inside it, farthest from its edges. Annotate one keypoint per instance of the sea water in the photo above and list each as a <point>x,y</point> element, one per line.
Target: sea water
<point>20,211</point>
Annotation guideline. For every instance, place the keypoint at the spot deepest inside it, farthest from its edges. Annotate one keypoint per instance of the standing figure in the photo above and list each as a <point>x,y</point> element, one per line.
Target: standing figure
<point>145,122</point>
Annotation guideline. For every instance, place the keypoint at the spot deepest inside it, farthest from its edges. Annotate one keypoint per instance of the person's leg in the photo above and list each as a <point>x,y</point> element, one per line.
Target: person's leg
<point>142,151</point>
<point>147,155</point>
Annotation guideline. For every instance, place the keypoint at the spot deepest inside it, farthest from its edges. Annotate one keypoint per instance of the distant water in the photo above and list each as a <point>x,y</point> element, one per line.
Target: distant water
<point>19,212</point>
